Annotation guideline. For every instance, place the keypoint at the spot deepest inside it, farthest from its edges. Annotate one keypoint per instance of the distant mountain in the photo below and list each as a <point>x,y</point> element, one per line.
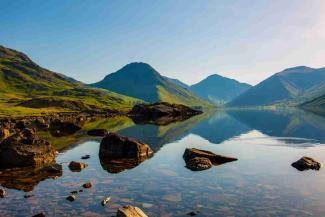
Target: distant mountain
<point>219,89</point>
<point>289,87</point>
<point>178,82</point>
<point>23,83</point>
<point>142,81</point>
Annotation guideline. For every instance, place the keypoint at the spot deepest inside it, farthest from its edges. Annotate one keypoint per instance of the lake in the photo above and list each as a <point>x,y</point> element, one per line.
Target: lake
<point>261,183</point>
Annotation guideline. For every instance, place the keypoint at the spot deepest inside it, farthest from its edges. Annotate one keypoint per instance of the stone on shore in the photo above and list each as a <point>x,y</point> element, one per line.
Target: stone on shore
<point>77,166</point>
<point>97,132</point>
<point>306,163</point>
<point>25,149</point>
<point>130,211</point>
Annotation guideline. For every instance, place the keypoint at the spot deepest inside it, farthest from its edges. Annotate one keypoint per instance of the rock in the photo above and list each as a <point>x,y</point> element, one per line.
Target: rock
<point>2,193</point>
<point>105,201</point>
<point>74,192</point>
<point>97,132</point>
<point>193,213</point>
<point>4,133</point>
<point>53,170</point>
<point>214,158</point>
<point>85,157</point>
<point>71,198</point>
<point>25,149</point>
<point>198,164</point>
<point>115,146</point>
<point>77,166</point>
<point>20,125</point>
<point>306,163</point>
<point>130,211</point>
<point>87,185</point>
<point>161,113</point>
<point>63,128</point>
<point>28,195</point>
<point>39,215</point>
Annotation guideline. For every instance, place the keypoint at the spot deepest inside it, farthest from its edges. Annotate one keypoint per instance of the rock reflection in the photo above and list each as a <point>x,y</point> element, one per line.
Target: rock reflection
<point>118,165</point>
<point>25,179</point>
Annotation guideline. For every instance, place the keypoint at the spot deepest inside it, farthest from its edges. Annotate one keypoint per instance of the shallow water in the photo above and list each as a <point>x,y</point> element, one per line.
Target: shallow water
<point>261,183</point>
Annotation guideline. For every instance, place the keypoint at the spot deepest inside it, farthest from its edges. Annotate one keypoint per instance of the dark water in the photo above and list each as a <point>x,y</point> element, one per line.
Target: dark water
<point>260,183</point>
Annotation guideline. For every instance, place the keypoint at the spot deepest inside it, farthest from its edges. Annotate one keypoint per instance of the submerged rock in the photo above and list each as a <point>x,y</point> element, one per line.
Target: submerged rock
<point>197,160</point>
<point>130,211</point>
<point>198,164</point>
<point>116,146</point>
<point>306,163</point>
<point>25,149</point>
<point>97,132</point>
<point>77,166</point>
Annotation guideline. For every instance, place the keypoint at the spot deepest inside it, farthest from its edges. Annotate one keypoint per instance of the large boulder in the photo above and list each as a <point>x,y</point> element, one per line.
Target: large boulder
<point>25,149</point>
<point>115,146</point>
<point>77,166</point>
<point>306,163</point>
<point>130,211</point>
<point>214,158</point>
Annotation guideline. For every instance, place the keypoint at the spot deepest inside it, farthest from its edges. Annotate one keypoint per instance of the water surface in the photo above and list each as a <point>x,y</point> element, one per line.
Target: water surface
<point>261,183</point>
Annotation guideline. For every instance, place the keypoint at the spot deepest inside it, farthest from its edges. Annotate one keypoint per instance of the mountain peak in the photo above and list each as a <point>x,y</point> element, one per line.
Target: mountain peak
<point>297,69</point>
<point>13,54</point>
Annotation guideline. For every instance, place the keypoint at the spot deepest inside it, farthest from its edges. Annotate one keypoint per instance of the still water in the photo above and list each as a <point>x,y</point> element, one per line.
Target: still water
<point>261,183</point>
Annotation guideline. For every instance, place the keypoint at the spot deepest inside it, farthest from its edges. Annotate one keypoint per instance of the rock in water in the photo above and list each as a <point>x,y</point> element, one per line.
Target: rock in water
<point>71,198</point>
<point>25,149</point>
<point>306,163</point>
<point>115,146</point>
<point>198,164</point>
<point>214,158</point>
<point>39,215</point>
<point>130,211</point>
<point>85,157</point>
<point>105,201</point>
<point>87,185</point>
<point>77,166</point>
<point>97,132</point>
<point>2,193</point>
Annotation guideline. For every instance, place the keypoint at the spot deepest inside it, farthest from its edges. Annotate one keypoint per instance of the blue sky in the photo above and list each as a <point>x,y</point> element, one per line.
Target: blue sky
<point>188,40</point>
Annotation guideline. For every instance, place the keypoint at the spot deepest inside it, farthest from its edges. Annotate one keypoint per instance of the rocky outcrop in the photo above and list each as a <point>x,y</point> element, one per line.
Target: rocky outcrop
<point>306,163</point>
<point>77,166</point>
<point>25,149</point>
<point>115,146</point>
<point>97,132</point>
<point>130,211</point>
<point>197,159</point>
<point>161,113</point>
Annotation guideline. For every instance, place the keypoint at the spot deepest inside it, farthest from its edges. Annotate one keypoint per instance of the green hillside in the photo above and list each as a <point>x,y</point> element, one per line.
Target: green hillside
<point>141,81</point>
<point>219,89</point>
<point>290,87</point>
<point>27,88</point>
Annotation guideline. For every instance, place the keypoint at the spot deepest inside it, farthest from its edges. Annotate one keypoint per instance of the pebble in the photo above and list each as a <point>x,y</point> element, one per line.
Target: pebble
<point>87,185</point>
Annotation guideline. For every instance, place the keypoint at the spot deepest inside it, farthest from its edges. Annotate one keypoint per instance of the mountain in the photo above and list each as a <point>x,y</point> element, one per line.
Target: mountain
<point>178,82</point>
<point>219,89</point>
<point>290,87</point>
<point>26,87</point>
<point>142,81</point>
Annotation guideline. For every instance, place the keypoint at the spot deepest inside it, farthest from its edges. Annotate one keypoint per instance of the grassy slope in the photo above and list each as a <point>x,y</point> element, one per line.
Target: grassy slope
<point>141,81</point>
<point>21,79</point>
